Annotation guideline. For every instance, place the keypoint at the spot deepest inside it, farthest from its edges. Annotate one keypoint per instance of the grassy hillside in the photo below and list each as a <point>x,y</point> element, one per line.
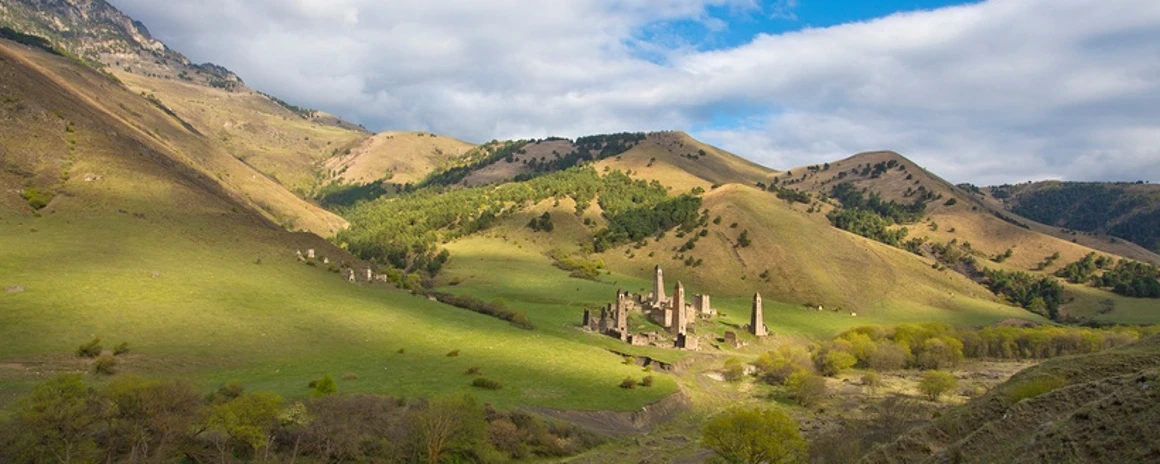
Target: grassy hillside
<point>962,214</point>
<point>143,242</point>
<point>251,127</point>
<point>400,157</point>
<point>1091,408</point>
<point>37,77</point>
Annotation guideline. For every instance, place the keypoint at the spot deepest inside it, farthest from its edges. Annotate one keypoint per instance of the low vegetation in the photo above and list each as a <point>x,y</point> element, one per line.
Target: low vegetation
<point>755,436</point>
<point>136,419</point>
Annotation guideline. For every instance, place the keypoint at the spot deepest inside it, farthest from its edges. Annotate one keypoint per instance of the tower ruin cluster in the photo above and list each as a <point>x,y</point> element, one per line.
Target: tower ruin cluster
<point>672,312</point>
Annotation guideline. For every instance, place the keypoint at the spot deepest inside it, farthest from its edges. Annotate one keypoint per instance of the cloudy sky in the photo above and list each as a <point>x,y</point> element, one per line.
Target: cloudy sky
<point>985,92</point>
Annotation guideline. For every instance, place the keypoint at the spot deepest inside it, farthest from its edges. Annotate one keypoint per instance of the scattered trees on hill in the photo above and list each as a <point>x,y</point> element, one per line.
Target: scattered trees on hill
<point>870,216</point>
<point>404,232</point>
<point>542,223</point>
<point>1041,295</point>
<point>1128,278</point>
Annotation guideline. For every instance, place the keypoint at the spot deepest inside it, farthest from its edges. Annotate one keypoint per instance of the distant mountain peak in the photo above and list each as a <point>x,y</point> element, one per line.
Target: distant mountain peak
<point>102,35</point>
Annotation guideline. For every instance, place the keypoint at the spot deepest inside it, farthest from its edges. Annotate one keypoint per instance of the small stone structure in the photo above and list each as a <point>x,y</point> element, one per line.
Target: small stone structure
<point>309,253</point>
<point>300,257</point>
<point>757,318</point>
<point>370,275</point>
<point>350,275</point>
<point>731,339</point>
<point>325,260</point>
<point>702,308</point>
<point>13,289</point>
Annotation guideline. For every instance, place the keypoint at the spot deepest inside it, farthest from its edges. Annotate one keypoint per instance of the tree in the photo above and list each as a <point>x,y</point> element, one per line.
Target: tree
<point>743,241</point>
<point>450,426</point>
<point>755,436</point>
<point>806,388</point>
<point>936,383</point>
<point>57,421</point>
<point>250,419</point>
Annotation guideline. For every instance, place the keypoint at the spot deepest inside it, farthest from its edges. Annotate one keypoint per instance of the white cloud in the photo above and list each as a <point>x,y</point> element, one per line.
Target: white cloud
<point>1000,91</point>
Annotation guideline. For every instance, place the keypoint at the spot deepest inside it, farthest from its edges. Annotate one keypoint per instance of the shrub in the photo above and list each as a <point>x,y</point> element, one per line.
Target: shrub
<point>473,371</point>
<point>91,349</point>
<point>937,383</point>
<point>105,365</point>
<point>647,381</point>
<point>401,351</point>
<point>628,383</point>
<point>324,386</point>
<point>349,376</point>
<point>743,241</point>
<point>806,388</point>
<point>834,362</point>
<point>486,383</point>
<point>754,435</point>
<point>1034,387</point>
<point>36,199</point>
<point>453,353</point>
<point>734,370</point>
<point>872,381</point>
<point>121,349</point>
<point>887,357</point>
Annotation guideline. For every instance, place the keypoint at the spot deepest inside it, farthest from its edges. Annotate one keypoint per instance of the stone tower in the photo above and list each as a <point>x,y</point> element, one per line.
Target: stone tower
<point>757,318</point>
<point>680,315</point>
<point>622,313</point>
<point>659,286</point>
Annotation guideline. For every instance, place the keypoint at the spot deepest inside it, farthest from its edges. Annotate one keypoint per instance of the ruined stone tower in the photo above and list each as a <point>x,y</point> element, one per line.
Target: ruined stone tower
<point>622,313</point>
<point>659,286</point>
<point>680,314</point>
<point>757,318</point>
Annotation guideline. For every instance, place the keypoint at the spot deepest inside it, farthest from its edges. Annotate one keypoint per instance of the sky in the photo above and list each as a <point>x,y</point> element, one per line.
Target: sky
<point>991,92</point>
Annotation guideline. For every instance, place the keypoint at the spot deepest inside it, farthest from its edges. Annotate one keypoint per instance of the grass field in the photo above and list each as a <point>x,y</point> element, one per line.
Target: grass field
<point>213,315</point>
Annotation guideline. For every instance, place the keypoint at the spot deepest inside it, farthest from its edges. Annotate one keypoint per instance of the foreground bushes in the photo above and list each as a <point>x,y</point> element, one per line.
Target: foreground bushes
<point>138,420</point>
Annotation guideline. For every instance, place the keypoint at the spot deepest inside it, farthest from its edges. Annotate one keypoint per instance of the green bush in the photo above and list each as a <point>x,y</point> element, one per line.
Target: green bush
<point>806,388</point>
<point>91,349</point>
<point>453,353</point>
<point>1034,387</point>
<point>937,383</point>
<point>734,370</point>
<point>121,348</point>
<point>105,365</point>
<point>628,383</point>
<point>647,381</point>
<point>324,386</point>
<point>36,199</point>
<point>486,383</point>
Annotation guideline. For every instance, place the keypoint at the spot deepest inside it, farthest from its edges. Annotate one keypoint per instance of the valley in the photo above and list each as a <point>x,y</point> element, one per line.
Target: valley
<point>165,221</point>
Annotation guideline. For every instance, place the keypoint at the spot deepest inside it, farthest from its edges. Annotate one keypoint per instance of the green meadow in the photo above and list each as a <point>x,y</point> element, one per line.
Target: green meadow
<point>190,296</point>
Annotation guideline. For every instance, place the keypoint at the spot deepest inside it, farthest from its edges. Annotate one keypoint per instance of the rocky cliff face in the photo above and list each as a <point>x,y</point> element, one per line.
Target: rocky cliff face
<point>101,35</point>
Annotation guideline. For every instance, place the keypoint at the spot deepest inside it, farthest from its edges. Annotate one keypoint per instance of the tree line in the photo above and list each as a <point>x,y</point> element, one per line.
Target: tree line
<point>133,419</point>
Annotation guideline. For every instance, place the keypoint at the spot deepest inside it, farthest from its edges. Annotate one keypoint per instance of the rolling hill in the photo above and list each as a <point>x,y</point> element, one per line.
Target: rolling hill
<point>1129,211</point>
<point>399,157</point>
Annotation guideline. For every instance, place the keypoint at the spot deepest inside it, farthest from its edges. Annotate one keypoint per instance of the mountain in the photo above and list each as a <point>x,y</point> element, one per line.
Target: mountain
<point>1128,211</point>
<point>100,35</point>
